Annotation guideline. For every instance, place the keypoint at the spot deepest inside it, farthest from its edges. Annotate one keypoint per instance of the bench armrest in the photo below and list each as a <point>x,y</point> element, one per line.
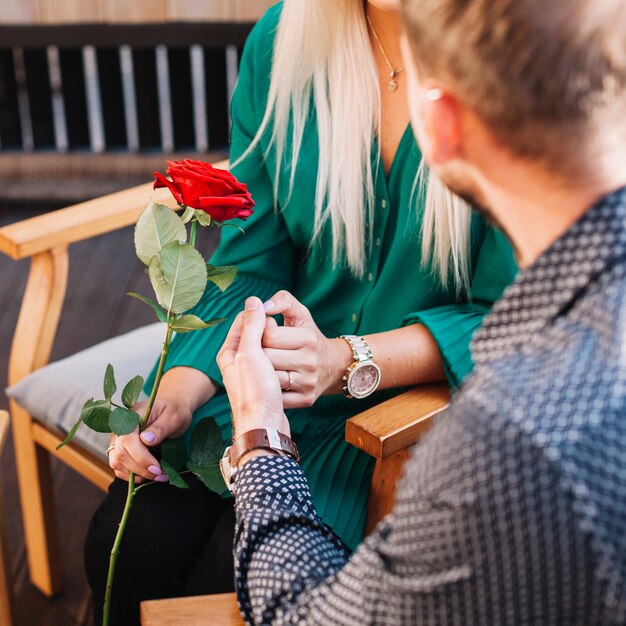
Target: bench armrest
<point>82,221</point>
<point>399,422</point>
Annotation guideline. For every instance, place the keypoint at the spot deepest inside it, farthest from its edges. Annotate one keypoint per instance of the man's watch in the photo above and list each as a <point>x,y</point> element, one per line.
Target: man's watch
<point>257,439</point>
<point>363,376</point>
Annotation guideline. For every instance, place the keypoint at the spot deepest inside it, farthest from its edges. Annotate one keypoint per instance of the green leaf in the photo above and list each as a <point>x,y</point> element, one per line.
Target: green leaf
<point>160,313</point>
<point>206,446</point>
<point>156,227</point>
<point>220,224</point>
<point>188,323</point>
<point>174,452</point>
<point>210,476</point>
<point>175,478</point>
<point>203,218</point>
<point>131,392</point>
<point>71,434</point>
<point>187,215</point>
<point>95,414</point>
<point>178,275</point>
<point>222,277</point>
<point>109,383</point>
<point>123,421</point>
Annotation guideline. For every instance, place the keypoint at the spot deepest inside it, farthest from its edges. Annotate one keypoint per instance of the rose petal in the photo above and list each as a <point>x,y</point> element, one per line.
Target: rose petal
<point>160,181</point>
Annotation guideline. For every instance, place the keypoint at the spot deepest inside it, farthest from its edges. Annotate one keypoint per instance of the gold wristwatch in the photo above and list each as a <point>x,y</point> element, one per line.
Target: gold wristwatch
<point>363,376</point>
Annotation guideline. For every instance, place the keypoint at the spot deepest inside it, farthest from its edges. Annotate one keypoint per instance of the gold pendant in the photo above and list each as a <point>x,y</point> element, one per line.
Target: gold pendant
<point>392,85</point>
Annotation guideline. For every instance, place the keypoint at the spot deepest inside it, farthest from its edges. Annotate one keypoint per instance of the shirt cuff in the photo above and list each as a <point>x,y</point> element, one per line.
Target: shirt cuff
<point>267,475</point>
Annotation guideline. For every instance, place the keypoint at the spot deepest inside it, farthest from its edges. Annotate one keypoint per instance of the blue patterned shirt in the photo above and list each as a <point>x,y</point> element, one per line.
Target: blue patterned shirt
<point>512,509</point>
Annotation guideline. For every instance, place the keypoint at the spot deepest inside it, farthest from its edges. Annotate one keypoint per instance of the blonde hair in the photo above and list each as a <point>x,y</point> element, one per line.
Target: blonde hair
<point>322,49</point>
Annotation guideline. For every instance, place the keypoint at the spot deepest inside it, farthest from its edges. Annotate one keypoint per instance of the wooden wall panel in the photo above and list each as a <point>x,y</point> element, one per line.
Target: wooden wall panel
<point>251,10</point>
<point>69,11</point>
<point>200,11</point>
<point>137,11</point>
<point>19,12</point>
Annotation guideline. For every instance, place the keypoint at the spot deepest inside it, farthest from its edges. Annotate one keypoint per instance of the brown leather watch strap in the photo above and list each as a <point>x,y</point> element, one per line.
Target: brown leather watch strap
<point>262,438</point>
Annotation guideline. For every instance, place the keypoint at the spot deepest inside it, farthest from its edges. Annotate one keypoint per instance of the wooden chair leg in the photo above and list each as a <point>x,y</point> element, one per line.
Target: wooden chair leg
<point>382,489</point>
<point>6,592</point>
<point>37,500</point>
<point>32,343</point>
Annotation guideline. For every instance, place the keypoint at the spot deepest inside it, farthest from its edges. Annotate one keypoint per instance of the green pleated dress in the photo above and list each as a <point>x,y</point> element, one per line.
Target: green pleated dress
<point>274,253</point>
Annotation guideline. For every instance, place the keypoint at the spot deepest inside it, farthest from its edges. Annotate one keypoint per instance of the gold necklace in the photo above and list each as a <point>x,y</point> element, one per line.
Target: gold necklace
<point>392,83</point>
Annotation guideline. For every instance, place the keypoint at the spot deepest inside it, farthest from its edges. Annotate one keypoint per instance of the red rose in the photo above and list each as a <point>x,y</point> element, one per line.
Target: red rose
<point>201,186</point>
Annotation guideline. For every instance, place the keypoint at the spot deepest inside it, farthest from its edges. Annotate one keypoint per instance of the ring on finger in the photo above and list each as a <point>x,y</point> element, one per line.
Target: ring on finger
<point>110,448</point>
<point>288,387</point>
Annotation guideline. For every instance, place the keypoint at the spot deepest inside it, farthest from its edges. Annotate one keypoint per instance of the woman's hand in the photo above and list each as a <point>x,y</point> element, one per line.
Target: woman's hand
<point>182,391</point>
<point>170,417</point>
<point>307,363</point>
<point>250,380</point>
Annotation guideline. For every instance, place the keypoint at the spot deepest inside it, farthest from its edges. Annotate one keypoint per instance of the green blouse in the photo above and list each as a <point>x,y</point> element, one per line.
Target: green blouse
<point>396,290</point>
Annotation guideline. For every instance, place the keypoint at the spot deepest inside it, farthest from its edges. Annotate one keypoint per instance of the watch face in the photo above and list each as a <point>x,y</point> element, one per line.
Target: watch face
<point>363,380</point>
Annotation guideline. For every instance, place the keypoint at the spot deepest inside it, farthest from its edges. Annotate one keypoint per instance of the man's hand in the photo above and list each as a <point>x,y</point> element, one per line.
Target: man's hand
<point>308,364</point>
<point>249,377</point>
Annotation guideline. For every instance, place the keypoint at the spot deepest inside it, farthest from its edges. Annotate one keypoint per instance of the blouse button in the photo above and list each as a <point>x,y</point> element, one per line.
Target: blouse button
<point>378,242</point>
<point>370,277</point>
<point>354,317</point>
<point>384,204</point>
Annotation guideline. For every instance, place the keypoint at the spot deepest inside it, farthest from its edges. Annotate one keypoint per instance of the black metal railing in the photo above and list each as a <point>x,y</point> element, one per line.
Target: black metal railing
<point>110,88</point>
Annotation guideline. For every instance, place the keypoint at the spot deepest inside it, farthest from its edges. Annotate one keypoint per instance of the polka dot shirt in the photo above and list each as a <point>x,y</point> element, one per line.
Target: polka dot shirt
<point>512,509</point>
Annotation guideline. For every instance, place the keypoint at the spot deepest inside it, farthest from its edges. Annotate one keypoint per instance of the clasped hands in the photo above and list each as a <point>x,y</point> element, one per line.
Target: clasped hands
<point>266,368</point>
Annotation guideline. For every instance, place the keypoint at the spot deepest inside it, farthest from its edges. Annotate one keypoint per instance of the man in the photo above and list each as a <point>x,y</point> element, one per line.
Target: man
<point>512,509</point>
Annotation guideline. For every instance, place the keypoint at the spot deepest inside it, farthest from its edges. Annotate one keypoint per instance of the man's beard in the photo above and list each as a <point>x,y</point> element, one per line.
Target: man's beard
<point>468,191</point>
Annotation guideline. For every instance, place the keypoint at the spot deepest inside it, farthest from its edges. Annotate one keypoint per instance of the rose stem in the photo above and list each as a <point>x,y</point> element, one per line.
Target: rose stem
<point>192,233</point>
<point>106,609</point>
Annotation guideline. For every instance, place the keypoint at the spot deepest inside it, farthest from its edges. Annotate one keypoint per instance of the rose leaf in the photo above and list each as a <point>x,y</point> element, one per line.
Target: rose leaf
<point>222,277</point>
<point>206,442</point>
<point>123,421</point>
<point>175,478</point>
<point>178,275</point>
<point>188,323</point>
<point>131,392</point>
<point>95,414</point>
<point>156,227</point>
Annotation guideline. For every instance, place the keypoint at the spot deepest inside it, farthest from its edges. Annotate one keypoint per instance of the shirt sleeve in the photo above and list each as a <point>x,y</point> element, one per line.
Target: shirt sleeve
<point>264,253</point>
<point>454,325</point>
<point>468,542</point>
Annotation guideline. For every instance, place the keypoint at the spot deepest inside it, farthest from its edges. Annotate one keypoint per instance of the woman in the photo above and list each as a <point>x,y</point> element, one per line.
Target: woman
<point>321,136</point>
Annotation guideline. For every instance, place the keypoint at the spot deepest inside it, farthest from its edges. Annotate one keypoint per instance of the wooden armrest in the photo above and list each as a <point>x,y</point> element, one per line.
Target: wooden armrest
<point>217,610</point>
<point>4,429</point>
<point>81,221</point>
<point>397,423</point>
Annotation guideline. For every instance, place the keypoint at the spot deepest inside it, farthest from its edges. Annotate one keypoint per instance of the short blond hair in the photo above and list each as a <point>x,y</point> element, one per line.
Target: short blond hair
<point>544,75</point>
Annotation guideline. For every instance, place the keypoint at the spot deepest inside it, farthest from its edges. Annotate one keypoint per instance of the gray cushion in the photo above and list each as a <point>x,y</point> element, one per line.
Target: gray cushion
<point>56,393</point>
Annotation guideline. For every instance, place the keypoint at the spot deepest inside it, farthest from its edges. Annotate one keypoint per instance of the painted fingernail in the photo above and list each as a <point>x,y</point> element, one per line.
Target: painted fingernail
<point>161,478</point>
<point>154,469</point>
<point>148,436</point>
<point>269,305</point>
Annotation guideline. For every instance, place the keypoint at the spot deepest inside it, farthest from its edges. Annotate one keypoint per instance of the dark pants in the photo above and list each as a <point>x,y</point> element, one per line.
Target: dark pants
<point>177,542</point>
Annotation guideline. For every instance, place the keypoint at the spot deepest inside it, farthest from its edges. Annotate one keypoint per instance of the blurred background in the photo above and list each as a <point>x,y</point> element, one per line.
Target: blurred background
<point>94,96</point>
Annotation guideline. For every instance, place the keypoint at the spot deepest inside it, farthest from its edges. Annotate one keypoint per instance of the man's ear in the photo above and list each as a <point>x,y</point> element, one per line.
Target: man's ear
<point>435,113</point>
<point>443,124</point>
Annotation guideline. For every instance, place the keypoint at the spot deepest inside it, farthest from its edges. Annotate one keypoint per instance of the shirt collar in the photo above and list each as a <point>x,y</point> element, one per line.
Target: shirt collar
<point>559,277</point>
